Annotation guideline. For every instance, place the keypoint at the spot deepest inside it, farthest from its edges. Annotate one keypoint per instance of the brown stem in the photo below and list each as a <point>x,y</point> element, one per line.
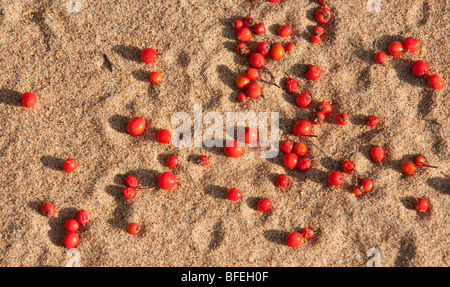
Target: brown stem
<point>382,131</point>
<point>426,165</point>
<point>356,176</point>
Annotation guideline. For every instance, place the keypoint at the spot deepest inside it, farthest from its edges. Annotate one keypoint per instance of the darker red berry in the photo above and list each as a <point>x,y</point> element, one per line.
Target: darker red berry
<point>341,119</point>
<point>257,60</point>
<point>348,166</point>
<point>203,160</point>
<point>242,50</point>
<point>164,136</point>
<point>282,180</point>
<point>318,31</point>
<point>241,98</point>
<point>82,216</point>
<point>286,146</point>
<point>323,107</point>
<point>303,100</point>
<point>304,163</point>
<point>129,192</point>
<point>259,28</point>
<point>420,68</point>
<point>372,121</point>
<point>234,148</point>
<point>291,85</point>
<point>307,233</point>
<point>131,181</point>
<point>248,21</point>
<point>318,118</point>
<point>263,48</point>
<point>323,15</point>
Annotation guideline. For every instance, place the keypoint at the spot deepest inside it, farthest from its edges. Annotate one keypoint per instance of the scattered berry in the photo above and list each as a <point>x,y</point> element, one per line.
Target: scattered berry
<point>357,190</point>
<point>318,118</point>
<point>70,165</point>
<point>411,45</point>
<point>396,49</point>
<point>242,81</point>
<point>282,180</point>
<point>167,180</point>
<point>254,91</point>
<point>155,77</point>
<point>131,181</point>
<point>257,60</point>
<point>300,149</point>
<point>242,98</point>
<point>164,136</point>
<point>29,99</point>
<point>294,239</point>
<point>335,178</point>
<point>315,39</point>
<point>323,107</point>
<point>203,160</point>
<point>238,24</point>
<point>408,167</point>
<point>285,31</point>
<point>435,82</point>
<point>302,127</point>
<point>307,233</point>
<point>48,209</point>
<point>71,225</point>
<point>172,161</point>
<point>136,126</point>
<point>290,160</point>
<point>234,194</point>
<point>277,52</point>
<point>263,48</point>
<point>341,119</point>
<point>420,161</point>
<point>420,68</point>
<point>323,15</point>
<point>134,228</point>
<point>71,240</point>
<point>366,185</point>
<point>304,163</point>
<point>234,148</point>
<point>242,50</point>
<point>318,31</point>
<point>377,153</point>
<point>244,34</point>
<point>250,135</point>
<point>286,146</point>
<point>422,204</point>
<point>289,47</point>
<point>303,100</point>
<point>148,55</point>
<point>348,166</point>
<point>313,72</point>
<point>381,58</point>
<point>252,74</point>
<point>372,121</point>
<point>82,216</point>
<point>260,28</point>
<point>291,85</point>
<point>129,192</point>
<point>264,204</point>
<point>248,21</point>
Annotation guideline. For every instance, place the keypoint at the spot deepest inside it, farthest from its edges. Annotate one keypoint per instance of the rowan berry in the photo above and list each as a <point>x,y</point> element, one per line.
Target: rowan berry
<point>244,34</point>
<point>234,194</point>
<point>48,209</point>
<point>318,118</point>
<point>291,85</point>
<point>303,100</point>
<point>71,240</point>
<point>70,165</point>
<point>148,55</point>
<point>381,58</point>
<point>264,204</point>
<point>172,161</point>
<point>167,180</point>
<point>323,15</point>
<point>285,31</point>
<point>252,74</point>
<point>71,225</point>
<point>408,167</point>
<point>313,72</point>
<point>136,126</point>
<point>234,148</point>
<point>238,24</point>
<point>164,136</point>
<point>289,47</point>
<point>396,49</point>
<point>366,185</point>
<point>242,98</point>
<point>282,180</point>
<point>134,228</point>
<point>422,204</point>
<point>335,178</point>
<point>302,127</point>
<point>318,31</point>
<point>294,239</point>
<point>290,160</point>
<point>29,99</point>
<point>242,50</point>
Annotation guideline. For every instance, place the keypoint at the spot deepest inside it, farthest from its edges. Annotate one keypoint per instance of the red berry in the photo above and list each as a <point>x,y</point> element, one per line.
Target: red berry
<point>136,126</point>
<point>341,119</point>
<point>129,192</point>
<point>260,28</point>
<point>372,121</point>
<point>381,58</point>
<point>318,31</point>
<point>148,55</point>
<point>71,240</point>
<point>234,194</point>
<point>435,82</point>
<point>172,161</point>
<point>134,228</point>
<point>248,21</point>
<point>323,107</point>
<point>289,47</point>
<point>254,91</point>
<point>291,85</point>
<point>164,136</point>
<point>70,165</point>
<point>263,48</point>
<point>244,34</point>
<point>82,216</point>
<point>242,98</point>
<point>315,39</point>
<point>282,180</point>
<point>252,74</point>
<point>273,1</point>
<point>366,185</point>
<point>238,24</point>
<point>204,160</point>
<point>323,15</point>
<point>48,209</point>
<point>357,190</point>
<point>234,148</point>
<point>155,77</point>
<point>422,204</point>
<point>396,49</point>
<point>318,118</point>
<point>294,239</point>
<point>321,2</point>
<point>307,233</point>
<point>250,135</point>
<point>286,146</point>
<point>304,163</point>
<point>29,99</point>
<point>420,68</point>
<point>411,45</point>
<point>257,60</point>
<point>348,166</point>
<point>131,181</point>
<point>264,204</point>
<point>277,52</point>
<point>303,100</point>
<point>335,178</point>
<point>242,50</point>
<point>408,167</point>
<point>285,31</point>
<point>300,149</point>
<point>290,160</point>
<point>377,153</point>
<point>313,72</point>
<point>167,180</point>
<point>71,225</point>
<point>302,127</point>
<point>242,81</point>
<point>420,160</point>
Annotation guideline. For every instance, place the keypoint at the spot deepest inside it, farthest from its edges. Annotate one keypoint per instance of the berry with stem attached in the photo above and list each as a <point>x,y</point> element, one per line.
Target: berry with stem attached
<point>377,153</point>
<point>420,161</point>
<point>348,166</point>
<point>257,60</point>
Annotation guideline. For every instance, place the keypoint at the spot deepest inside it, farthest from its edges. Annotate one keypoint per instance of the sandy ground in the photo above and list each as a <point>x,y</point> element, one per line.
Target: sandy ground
<point>86,71</point>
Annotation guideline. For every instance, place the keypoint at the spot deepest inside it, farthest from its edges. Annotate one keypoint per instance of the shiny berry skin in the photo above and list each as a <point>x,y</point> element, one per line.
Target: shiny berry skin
<point>134,228</point>
<point>420,68</point>
<point>341,119</point>
<point>372,121</point>
<point>148,55</point>
<point>422,204</point>
<point>242,50</point>
<point>420,160</point>
<point>48,209</point>
<point>82,216</point>
<point>315,39</point>
<point>307,233</point>
<point>303,100</point>
<point>323,15</point>
<point>242,81</point>
<point>348,166</point>
<point>234,194</point>
<point>291,85</point>
<point>71,240</point>
<point>250,135</point>
<point>285,31</point>
<point>377,153</point>
<point>411,45</point>
<point>335,178</point>
<point>318,118</point>
<point>381,58</point>
<point>318,31</point>
<point>259,28</point>
<point>294,239</point>
<point>304,163</point>
<point>357,190</point>
<point>366,185</point>
<point>300,149</point>
<point>244,34</point>
<point>203,160</point>
<point>167,180</point>
<point>164,136</point>
<point>323,107</point>
<point>71,225</point>
<point>286,146</point>
<point>435,82</point>
<point>282,180</point>
<point>408,167</point>
<point>277,52</point>
<point>313,72</point>
<point>29,99</point>
<point>252,74</point>
<point>273,1</point>
<point>234,148</point>
<point>242,98</point>
<point>290,160</point>
<point>264,204</point>
<point>289,47</point>
<point>136,126</point>
<point>263,48</point>
<point>254,91</point>
<point>131,181</point>
<point>70,165</point>
<point>257,60</point>
<point>129,192</point>
<point>302,127</point>
<point>238,24</point>
<point>172,161</point>
<point>396,49</point>
<point>248,21</point>
<point>155,77</point>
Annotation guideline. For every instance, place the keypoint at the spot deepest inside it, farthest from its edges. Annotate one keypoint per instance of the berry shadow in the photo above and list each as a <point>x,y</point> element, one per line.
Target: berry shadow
<point>141,75</point>
<point>124,207</point>
<point>440,184</point>
<point>408,202</point>
<point>53,162</point>
<point>107,63</point>
<point>406,252</point>
<point>11,97</point>
<point>226,76</point>
<point>427,102</point>
<point>358,119</point>
<point>216,191</point>
<point>128,52</point>
<point>57,231</point>
<point>119,123</point>
<point>316,175</point>
<point>276,236</point>
<point>331,164</point>
<point>228,31</point>
<point>252,202</point>
<point>298,71</point>
<point>403,70</point>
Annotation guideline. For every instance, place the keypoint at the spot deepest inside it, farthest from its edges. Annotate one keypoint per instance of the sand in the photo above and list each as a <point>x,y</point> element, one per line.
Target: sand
<point>85,68</point>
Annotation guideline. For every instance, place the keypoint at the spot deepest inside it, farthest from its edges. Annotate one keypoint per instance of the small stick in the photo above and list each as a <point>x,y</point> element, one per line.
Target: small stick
<point>356,173</point>
<point>382,131</point>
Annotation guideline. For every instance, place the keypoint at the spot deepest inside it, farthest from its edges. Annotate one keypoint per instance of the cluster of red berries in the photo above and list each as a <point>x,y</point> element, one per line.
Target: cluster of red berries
<point>295,238</point>
<point>323,15</point>
<point>294,155</point>
<point>409,167</point>
<point>148,56</point>
<point>419,68</point>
